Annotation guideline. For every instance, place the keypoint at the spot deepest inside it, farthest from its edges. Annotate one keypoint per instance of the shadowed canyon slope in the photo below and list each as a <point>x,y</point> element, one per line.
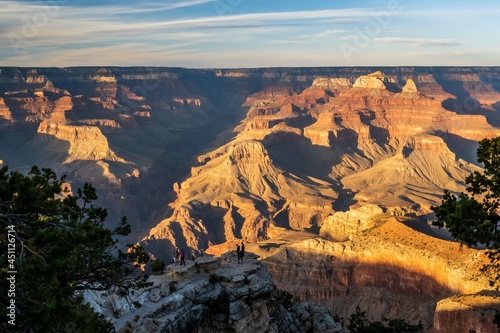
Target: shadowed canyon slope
<point>197,158</point>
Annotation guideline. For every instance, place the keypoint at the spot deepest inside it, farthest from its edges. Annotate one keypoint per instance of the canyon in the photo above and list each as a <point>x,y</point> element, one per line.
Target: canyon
<point>328,174</point>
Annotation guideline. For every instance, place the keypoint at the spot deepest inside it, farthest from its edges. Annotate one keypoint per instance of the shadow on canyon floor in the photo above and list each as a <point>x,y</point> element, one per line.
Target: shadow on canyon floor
<point>464,103</point>
<point>461,147</point>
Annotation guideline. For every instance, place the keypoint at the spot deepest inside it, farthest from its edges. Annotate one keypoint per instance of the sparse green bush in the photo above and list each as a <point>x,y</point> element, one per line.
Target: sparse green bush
<point>214,278</point>
<point>359,323</point>
<point>157,265</point>
<point>284,298</point>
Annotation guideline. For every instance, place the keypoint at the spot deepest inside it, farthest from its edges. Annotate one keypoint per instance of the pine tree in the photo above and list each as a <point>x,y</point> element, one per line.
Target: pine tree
<point>473,218</point>
<point>61,248</point>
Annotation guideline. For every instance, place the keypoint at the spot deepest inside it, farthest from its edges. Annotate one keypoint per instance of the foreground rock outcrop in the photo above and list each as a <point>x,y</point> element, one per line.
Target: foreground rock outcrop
<point>213,294</point>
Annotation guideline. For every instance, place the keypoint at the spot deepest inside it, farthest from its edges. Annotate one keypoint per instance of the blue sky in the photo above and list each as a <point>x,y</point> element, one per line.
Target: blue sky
<point>249,33</point>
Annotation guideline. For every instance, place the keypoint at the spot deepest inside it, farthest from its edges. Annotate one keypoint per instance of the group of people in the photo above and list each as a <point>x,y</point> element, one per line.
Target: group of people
<point>180,256</point>
<point>240,251</point>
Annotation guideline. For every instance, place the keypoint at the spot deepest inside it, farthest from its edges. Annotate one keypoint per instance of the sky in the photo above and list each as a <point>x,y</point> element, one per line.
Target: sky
<point>249,33</point>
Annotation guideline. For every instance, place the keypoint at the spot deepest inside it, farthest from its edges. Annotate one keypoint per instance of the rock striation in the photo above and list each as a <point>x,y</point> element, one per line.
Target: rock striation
<point>372,81</point>
<point>467,313</point>
<point>300,155</point>
<point>391,263</point>
<point>86,142</point>
<point>240,190</point>
<point>342,225</point>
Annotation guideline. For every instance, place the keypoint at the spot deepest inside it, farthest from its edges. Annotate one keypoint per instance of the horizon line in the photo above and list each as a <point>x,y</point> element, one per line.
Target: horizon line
<point>246,68</point>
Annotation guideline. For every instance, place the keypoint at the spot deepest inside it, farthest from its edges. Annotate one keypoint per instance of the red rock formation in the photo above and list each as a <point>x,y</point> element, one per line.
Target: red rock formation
<point>35,78</point>
<point>235,193</point>
<point>5,111</point>
<point>378,268</point>
<point>86,142</point>
<point>379,144</point>
<point>467,313</point>
<point>60,107</point>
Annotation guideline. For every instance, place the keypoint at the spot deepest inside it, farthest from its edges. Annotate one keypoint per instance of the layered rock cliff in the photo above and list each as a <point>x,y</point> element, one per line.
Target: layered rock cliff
<point>85,142</point>
<point>155,118</point>
<point>389,269</point>
<point>467,313</point>
<point>131,132</point>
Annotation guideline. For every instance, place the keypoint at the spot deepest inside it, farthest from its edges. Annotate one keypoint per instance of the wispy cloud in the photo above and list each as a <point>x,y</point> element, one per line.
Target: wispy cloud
<point>67,27</point>
<point>257,18</point>
<point>323,34</point>
<point>161,7</point>
<point>21,6</point>
<point>345,20</point>
<point>104,19</point>
<point>418,41</point>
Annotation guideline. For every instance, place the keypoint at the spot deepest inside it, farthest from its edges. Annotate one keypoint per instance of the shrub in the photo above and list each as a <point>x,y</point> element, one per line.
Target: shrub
<point>359,323</point>
<point>214,278</point>
<point>284,298</point>
<point>157,265</point>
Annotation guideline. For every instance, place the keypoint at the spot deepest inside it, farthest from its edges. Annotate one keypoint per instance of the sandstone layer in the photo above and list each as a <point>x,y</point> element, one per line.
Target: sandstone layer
<point>467,313</point>
<point>312,122</point>
<point>390,270</point>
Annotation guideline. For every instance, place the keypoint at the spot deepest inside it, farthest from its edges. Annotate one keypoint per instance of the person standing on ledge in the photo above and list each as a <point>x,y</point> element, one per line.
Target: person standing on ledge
<point>177,256</point>
<point>242,251</point>
<point>238,252</point>
<point>183,257</point>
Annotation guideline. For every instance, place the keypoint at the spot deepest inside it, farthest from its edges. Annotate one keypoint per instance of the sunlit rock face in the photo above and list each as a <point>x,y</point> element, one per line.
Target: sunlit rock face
<point>467,313</point>
<point>389,270</point>
<point>224,190</point>
<point>5,111</point>
<point>85,142</point>
<point>329,138</point>
<point>342,225</point>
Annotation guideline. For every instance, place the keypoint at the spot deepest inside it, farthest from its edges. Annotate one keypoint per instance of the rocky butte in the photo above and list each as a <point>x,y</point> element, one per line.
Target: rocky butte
<point>328,174</point>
